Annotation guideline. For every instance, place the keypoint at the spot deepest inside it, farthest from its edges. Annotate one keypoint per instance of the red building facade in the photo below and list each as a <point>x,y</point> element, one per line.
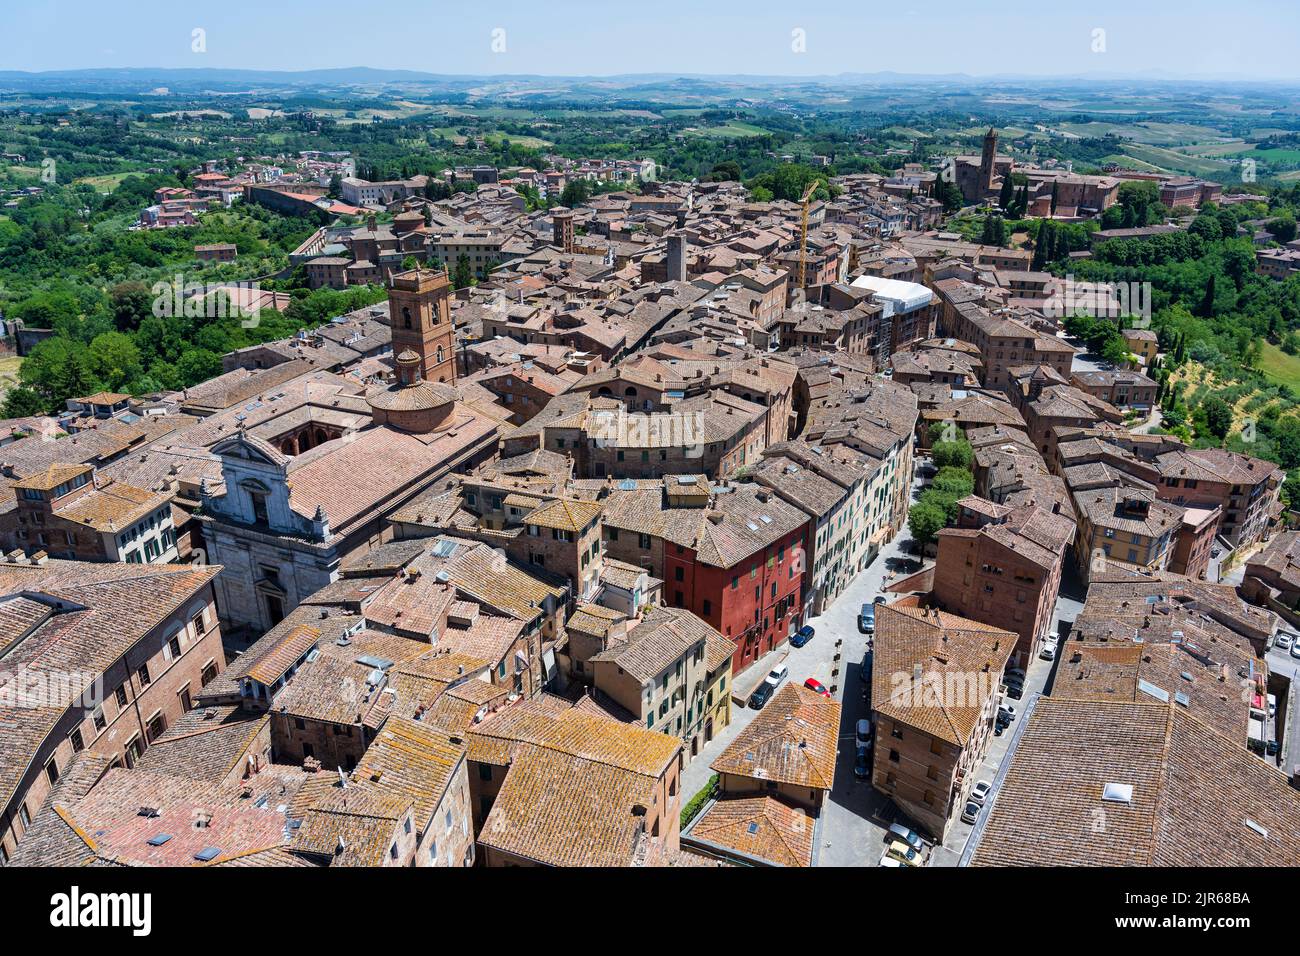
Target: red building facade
<point>756,602</point>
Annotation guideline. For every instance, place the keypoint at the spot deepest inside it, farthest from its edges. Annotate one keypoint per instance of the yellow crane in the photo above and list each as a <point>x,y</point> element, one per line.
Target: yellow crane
<point>803,234</point>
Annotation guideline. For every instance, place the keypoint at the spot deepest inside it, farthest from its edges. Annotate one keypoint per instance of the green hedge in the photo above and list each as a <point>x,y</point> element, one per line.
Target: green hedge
<point>699,800</point>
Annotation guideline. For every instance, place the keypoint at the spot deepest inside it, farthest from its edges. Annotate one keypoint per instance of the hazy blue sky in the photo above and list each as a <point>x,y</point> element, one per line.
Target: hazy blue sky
<point>1258,39</point>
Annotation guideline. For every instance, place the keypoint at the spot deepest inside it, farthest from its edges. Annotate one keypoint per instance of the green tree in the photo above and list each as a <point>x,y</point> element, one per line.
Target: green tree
<point>925,520</point>
<point>1006,195</point>
<point>463,276</point>
<point>1206,308</point>
<point>1115,350</point>
<point>115,360</point>
<point>995,231</point>
<point>21,402</point>
<point>198,365</point>
<point>947,193</point>
<point>1218,416</point>
<point>957,482</point>
<point>1043,245</point>
<point>131,303</point>
<point>952,454</point>
<point>1282,228</point>
<point>576,192</point>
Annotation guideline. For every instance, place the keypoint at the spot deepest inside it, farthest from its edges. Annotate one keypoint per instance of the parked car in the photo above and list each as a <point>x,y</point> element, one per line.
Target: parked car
<point>903,853</point>
<point>909,836</point>
<point>802,636</point>
<point>1048,651</point>
<point>1283,642</point>
<point>778,674</point>
<point>1272,705</point>
<point>980,792</point>
<point>867,619</point>
<point>1295,649</point>
<point>814,685</point>
<point>1007,710</point>
<point>1215,552</point>
<point>1015,691</point>
<point>971,812</point>
<point>879,599</point>
<point>862,763</point>
<point>891,861</point>
<point>1015,673</point>
<point>864,734</point>
<point>762,694</point>
<point>864,672</point>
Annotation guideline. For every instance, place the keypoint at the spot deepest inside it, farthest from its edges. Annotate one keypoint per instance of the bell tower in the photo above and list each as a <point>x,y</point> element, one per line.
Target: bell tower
<point>989,160</point>
<point>419,307</point>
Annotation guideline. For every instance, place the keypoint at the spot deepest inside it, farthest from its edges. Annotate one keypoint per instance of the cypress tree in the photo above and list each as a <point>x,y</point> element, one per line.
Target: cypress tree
<point>1040,246</point>
<point>1005,196</point>
<point>1207,303</point>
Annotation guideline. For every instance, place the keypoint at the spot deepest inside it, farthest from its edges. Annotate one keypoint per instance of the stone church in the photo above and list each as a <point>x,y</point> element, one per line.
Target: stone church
<point>295,502</point>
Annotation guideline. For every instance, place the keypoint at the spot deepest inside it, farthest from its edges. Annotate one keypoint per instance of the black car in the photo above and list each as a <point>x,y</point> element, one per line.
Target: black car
<point>862,763</point>
<point>880,599</point>
<point>865,672</point>
<point>761,695</point>
<point>1015,691</point>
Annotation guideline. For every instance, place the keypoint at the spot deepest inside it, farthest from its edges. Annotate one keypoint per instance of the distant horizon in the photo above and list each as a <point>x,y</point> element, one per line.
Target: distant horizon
<point>1193,39</point>
<point>1097,76</point>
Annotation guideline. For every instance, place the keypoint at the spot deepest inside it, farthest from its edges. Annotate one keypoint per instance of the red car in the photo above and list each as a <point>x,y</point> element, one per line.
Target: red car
<point>813,684</point>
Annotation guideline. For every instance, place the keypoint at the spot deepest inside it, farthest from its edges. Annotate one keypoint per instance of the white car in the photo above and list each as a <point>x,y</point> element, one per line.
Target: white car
<point>1048,651</point>
<point>1295,649</point>
<point>980,792</point>
<point>1283,642</point>
<point>864,735</point>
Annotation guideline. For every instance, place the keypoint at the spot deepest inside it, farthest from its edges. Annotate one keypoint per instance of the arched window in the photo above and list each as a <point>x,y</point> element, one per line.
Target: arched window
<point>440,353</point>
<point>630,392</point>
<point>406,317</point>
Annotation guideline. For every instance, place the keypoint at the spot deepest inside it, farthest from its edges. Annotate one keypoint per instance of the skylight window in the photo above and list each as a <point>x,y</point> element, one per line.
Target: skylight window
<point>1117,793</point>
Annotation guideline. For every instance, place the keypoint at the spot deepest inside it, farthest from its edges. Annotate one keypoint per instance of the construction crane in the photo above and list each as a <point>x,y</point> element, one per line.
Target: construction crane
<point>803,234</point>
